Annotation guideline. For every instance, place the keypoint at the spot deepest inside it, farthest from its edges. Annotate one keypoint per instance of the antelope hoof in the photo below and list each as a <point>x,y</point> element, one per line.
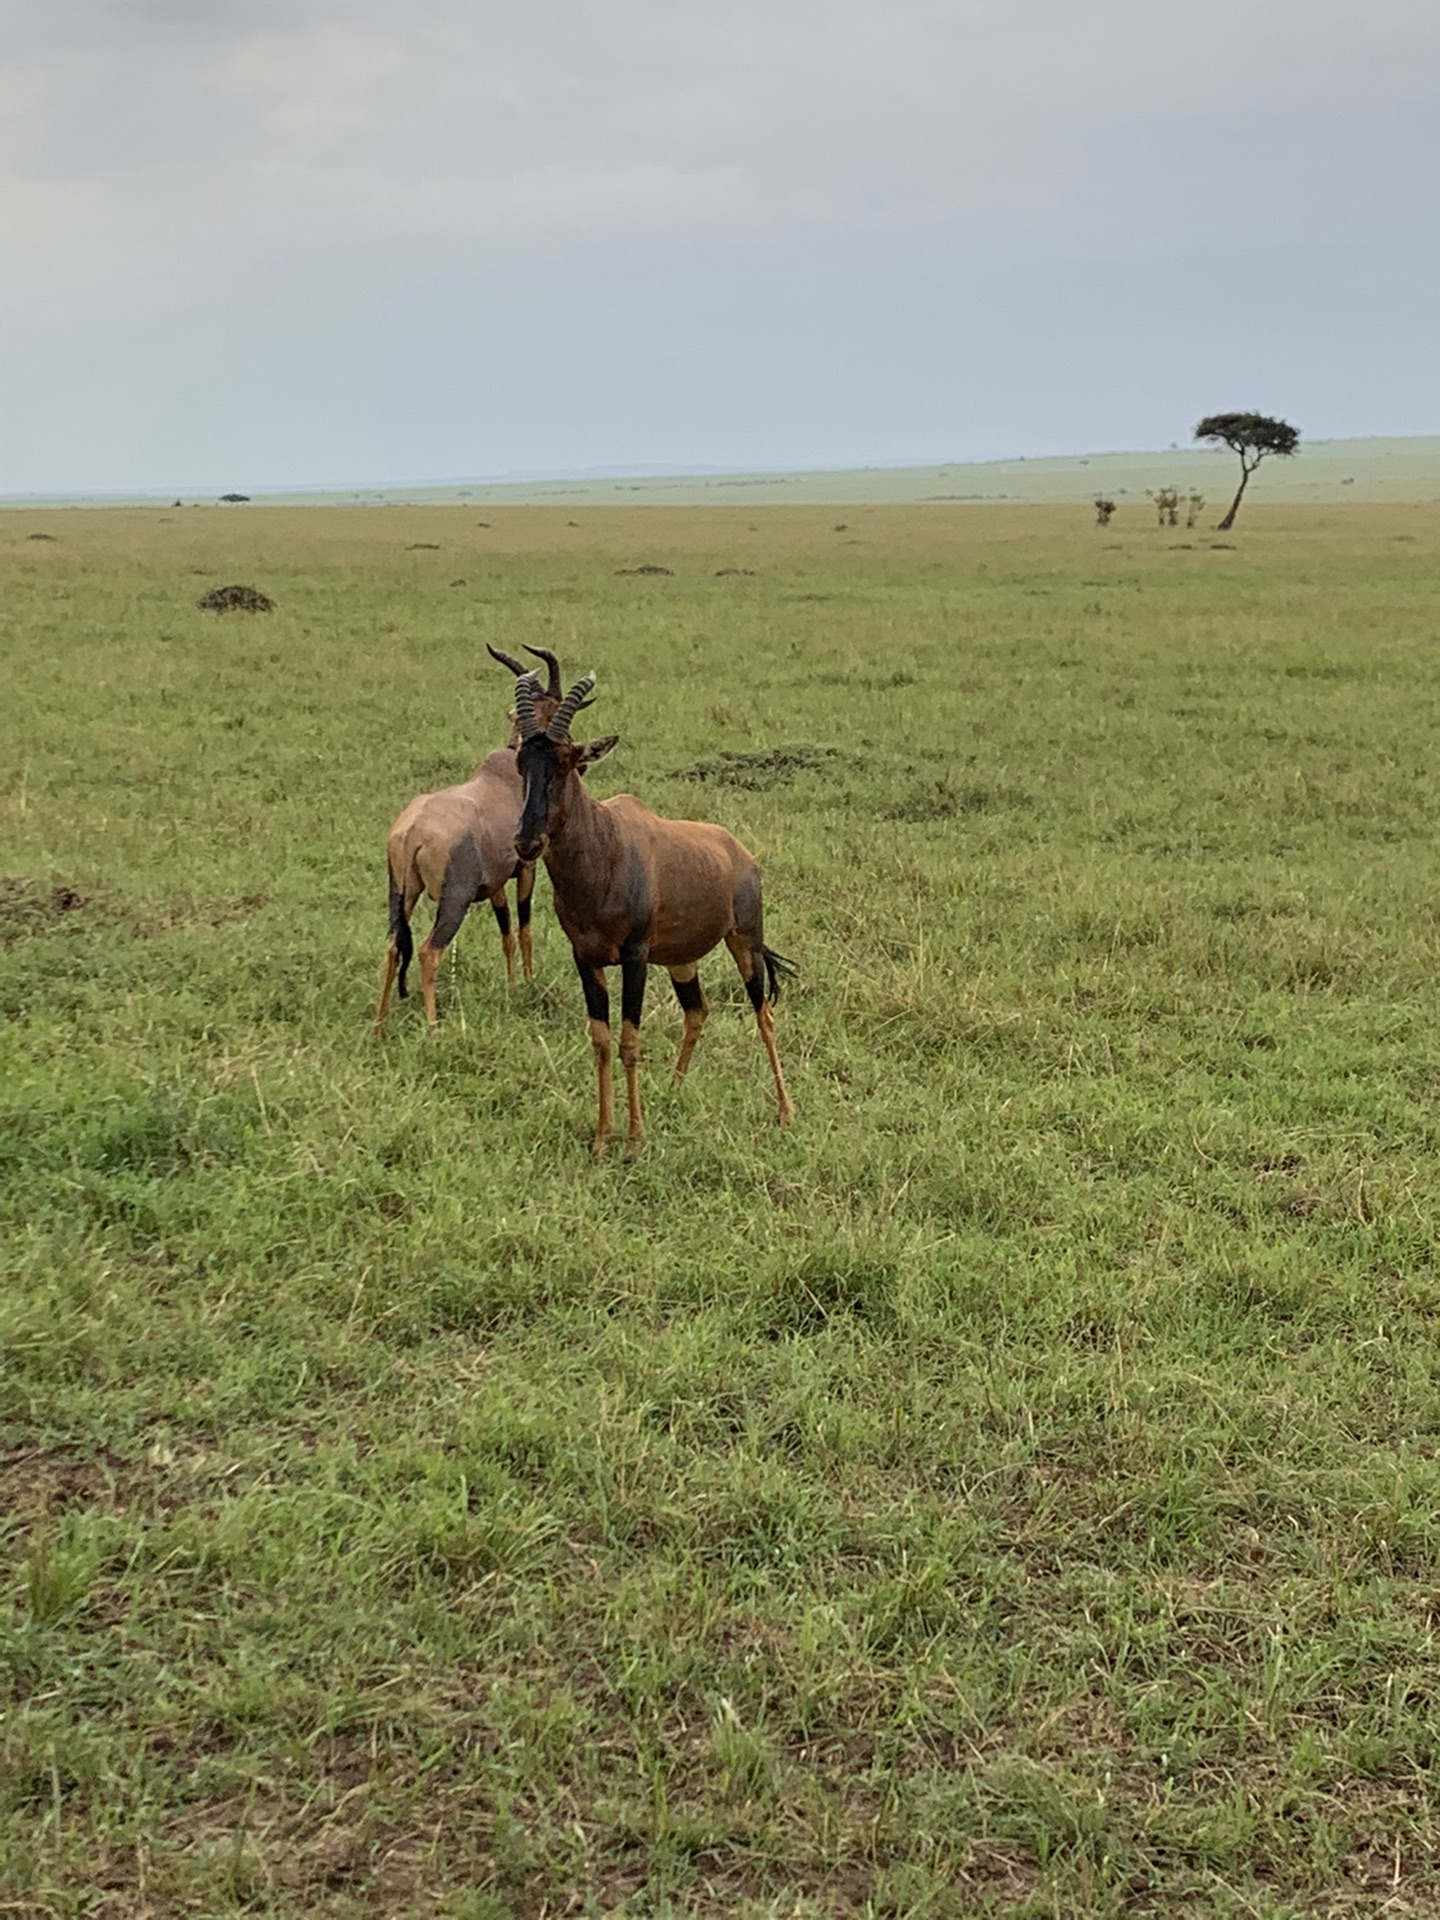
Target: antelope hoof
<point>787,1114</point>
<point>598,1146</point>
<point>634,1145</point>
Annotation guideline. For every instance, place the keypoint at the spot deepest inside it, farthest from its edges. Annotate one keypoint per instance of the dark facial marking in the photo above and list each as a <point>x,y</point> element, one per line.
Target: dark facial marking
<point>541,770</point>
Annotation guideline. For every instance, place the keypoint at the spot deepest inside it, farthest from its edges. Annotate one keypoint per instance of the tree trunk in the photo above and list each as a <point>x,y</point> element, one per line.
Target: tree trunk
<point>1245,473</point>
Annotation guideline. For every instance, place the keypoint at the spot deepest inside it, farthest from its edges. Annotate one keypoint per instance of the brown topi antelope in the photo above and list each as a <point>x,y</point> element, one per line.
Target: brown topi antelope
<point>459,847</point>
<point>637,891</point>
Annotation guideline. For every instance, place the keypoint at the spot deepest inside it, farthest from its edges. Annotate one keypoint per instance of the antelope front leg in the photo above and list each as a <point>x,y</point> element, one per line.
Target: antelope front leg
<point>633,971</point>
<point>597,1005</point>
<point>507,939</point>
<point>524,887</point>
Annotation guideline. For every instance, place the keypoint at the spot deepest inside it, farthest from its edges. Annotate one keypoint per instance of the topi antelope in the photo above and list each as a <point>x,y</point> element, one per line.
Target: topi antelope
<point>636,891</point>
<point>459,847</point>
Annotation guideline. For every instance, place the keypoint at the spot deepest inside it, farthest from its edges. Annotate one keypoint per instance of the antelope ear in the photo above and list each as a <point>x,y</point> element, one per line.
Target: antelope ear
<point>594,750</point>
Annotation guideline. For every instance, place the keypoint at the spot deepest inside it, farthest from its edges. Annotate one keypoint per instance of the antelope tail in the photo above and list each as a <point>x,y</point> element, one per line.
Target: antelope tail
<point>400,935</point>
<point>777,968</point>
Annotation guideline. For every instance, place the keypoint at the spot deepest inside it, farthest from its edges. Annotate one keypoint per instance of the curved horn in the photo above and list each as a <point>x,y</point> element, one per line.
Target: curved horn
<point>552,692</point>
<point>517,667</point>
<point>527,692</point>
<point>559,727</point>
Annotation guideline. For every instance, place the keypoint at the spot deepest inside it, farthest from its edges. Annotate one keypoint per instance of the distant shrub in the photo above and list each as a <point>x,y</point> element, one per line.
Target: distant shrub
<point>237,599</point>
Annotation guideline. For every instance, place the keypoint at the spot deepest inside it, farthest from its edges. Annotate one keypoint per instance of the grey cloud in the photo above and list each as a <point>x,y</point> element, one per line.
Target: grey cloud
<point>775,193</point>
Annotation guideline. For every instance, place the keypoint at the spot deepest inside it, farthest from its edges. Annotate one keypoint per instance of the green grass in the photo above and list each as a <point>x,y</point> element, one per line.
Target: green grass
<point>1015,1489</point>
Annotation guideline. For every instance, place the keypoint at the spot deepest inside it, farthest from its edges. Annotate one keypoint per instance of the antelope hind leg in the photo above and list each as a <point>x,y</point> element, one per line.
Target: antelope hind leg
<point>751,962</point>
<point>392,966</point>
<point>691,996</point>
<point>429,967</point>
<point>765,1021</point>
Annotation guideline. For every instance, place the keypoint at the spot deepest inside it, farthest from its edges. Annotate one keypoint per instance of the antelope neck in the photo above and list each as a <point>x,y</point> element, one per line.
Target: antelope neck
<point>583,847</point>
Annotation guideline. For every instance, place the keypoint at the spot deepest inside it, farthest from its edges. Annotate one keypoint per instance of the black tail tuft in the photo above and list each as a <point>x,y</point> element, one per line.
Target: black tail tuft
<point>777,968</point>
<point>400,936</point>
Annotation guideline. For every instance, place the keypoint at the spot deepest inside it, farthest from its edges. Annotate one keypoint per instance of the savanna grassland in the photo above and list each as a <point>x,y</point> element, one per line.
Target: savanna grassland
<point>1014,1489</point>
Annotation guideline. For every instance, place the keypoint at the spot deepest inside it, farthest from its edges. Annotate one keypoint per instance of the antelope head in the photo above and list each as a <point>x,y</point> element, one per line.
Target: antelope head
<point>547,758</point>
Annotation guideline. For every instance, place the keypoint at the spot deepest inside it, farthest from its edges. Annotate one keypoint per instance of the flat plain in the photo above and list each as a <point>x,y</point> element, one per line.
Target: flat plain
<point>1013,1489</point>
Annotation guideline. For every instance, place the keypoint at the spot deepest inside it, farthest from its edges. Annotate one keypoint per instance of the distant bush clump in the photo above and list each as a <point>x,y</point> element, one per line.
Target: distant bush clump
<point>236,600</point>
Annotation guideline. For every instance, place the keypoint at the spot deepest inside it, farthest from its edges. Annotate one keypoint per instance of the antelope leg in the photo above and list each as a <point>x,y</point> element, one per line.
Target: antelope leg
<point>501,907</point>
<point>524,887</point>
<point>597,1006</point>
<point>633,971</point>
<point>751,962</point>
<point>392,964</point>
<point>766,1024</point>
<point>429,967</point>
<point>691,996</point>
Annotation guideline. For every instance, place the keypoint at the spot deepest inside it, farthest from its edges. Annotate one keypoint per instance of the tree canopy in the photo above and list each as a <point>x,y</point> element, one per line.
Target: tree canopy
<point>1252,436</point>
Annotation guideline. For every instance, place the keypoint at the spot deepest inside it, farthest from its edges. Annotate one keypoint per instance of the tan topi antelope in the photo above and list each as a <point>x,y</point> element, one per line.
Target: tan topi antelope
<point>458,846</point>
<point>635,891</point>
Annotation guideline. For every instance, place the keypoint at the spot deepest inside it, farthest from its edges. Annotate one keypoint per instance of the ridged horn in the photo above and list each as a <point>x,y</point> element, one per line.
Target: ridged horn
<point>559,727</point>
<point>552,692</point>
<point>527,692</point>
<point>517,667</point>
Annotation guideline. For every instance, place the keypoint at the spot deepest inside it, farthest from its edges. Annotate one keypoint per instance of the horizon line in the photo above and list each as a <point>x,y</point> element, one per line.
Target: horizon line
<point>639,474</point>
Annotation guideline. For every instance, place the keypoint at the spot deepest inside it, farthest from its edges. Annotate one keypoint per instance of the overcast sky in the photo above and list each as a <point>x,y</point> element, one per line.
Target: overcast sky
<point>280,242</point>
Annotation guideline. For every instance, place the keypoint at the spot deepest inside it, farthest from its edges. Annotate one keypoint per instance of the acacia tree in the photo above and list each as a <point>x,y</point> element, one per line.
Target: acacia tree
<point>1252,436</point>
